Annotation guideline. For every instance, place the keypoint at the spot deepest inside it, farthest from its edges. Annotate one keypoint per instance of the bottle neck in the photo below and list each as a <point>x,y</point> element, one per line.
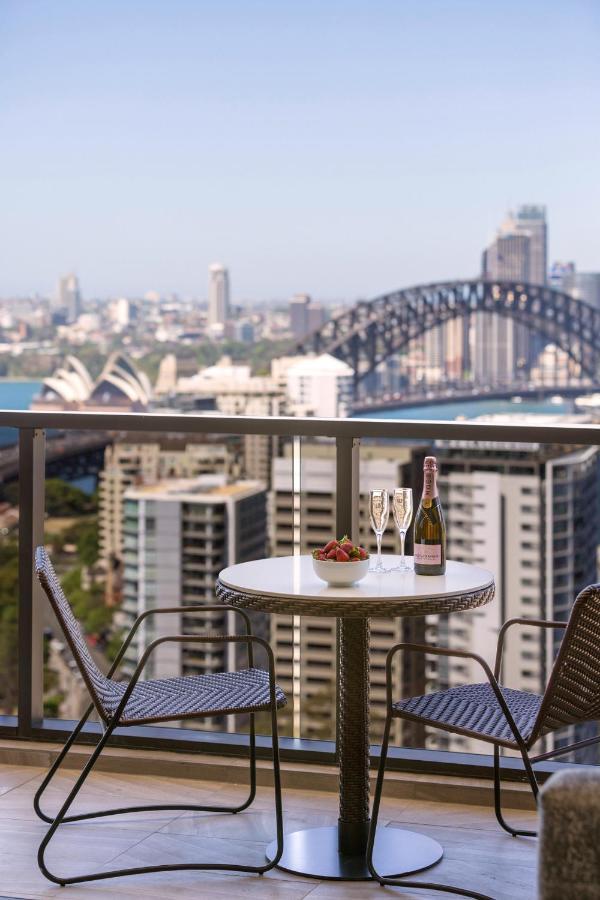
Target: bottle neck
<point>430,490</point>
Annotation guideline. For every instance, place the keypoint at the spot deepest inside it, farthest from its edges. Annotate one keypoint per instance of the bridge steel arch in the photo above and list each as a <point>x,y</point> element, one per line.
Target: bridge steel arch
<point>374,330</point>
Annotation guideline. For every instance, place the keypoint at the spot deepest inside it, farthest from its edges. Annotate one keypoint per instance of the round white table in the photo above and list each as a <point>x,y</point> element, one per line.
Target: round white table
<point>288,585</point>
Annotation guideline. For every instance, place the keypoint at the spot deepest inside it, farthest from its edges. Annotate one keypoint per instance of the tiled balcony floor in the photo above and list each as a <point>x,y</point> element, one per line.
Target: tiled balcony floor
<point>477,855</point>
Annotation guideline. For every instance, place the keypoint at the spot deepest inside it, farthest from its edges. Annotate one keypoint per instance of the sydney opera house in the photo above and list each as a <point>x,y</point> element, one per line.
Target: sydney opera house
<point>120,387</point>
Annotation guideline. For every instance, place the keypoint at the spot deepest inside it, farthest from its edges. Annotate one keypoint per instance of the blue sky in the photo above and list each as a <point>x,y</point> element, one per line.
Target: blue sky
<point>340,148</point>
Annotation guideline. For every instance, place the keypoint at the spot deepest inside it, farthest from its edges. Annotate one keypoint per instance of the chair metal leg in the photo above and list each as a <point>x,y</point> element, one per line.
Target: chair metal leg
<point>117,811</point>
<point>61,818</point>
<point>515,832</point>
<point>56,765</point>
<point>401,882</point>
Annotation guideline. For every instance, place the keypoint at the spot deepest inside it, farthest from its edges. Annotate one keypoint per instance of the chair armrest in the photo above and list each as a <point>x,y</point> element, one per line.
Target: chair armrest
<point>461,654</point>
<point>196,608</point>
<point>539,623</point>
<point>198,639</point>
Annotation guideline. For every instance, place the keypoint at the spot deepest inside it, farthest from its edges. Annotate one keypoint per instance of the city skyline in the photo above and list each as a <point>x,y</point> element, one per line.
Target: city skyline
<point>343,152</point>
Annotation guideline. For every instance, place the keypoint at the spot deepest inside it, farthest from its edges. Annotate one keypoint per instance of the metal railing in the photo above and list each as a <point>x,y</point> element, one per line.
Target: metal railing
<point>347,433</point>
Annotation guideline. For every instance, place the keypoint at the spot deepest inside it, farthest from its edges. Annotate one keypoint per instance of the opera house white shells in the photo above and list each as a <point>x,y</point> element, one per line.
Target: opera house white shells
<point>119,387</point>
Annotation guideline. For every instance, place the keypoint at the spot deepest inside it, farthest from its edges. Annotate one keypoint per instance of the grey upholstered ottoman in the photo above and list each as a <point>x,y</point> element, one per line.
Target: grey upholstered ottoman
<point>569,846</point>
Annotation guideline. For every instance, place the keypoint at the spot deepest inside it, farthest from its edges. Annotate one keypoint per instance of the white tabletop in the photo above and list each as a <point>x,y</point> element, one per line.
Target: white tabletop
<point>294,577</point>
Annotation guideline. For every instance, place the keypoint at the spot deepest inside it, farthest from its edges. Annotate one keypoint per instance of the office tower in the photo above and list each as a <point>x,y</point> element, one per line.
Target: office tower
<point>69,297</point>
<point>504,349</point>
<point>138,462</point>
<point>218,295</point>
<point>306,316</point>
<point>178,535</point>
<point>517,511</point>
<point>435,353</point>
<point>316,316</point>
<point>581,285</point>
<point>299,305</point>
<point>531,221</point>
<point>314,638</point>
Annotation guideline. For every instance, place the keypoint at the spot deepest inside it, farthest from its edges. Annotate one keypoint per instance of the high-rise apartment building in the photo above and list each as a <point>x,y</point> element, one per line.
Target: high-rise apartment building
<point>232,390</point>
<point>218,295</point>
<point>320,385</point>
<point>305,649</point>
<point>137,462</point>
<point>178,535</point>
<point>513,509</point>
<point>517,511</point>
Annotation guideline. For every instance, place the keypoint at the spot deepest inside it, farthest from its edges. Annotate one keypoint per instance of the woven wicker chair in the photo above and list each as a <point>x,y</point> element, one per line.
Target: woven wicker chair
<point>505,717</point>
<point>136,702</point>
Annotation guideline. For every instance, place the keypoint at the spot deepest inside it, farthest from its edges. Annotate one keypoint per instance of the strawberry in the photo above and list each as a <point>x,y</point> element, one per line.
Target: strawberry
<point>363,553</point>
<point>347,546</point>
<point>322,556</point>
<point>330,546</point>
<point>341,555</point>
<point>333,553</point>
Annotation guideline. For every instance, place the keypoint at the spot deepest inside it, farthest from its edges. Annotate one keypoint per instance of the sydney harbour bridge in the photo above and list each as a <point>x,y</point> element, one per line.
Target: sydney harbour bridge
<point>374,331</point>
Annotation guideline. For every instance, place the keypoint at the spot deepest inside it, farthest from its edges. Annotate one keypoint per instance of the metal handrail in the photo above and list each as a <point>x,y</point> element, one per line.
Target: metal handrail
<point>32,426</point>
<point>400,429</point>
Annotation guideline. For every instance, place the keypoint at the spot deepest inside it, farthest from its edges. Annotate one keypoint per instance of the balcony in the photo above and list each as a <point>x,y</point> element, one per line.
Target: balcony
<point>477,856</point>
<point>446,792</point>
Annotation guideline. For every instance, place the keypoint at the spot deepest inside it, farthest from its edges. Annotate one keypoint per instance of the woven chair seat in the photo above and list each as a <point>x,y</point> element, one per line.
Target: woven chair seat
<point>474,710</point>
<point>244,691</point>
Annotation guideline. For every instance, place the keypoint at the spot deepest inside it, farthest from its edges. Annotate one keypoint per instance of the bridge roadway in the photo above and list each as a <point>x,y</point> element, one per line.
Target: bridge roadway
<point>66,454</point>
<point>436,395</point>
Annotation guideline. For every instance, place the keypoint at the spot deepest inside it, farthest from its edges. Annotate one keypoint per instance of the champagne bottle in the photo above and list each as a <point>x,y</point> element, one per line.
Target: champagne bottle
<point>430,529</point>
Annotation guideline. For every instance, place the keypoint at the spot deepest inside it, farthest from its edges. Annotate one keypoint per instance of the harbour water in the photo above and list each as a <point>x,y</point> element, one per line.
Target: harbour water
<point>15,395</point>
<point>470,409</point>
<point>19,394</point>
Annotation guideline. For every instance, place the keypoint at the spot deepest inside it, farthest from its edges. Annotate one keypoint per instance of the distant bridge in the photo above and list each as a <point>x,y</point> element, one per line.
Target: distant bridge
<point>372,331</point>
<point>68,456</point>
<point>438,394</point>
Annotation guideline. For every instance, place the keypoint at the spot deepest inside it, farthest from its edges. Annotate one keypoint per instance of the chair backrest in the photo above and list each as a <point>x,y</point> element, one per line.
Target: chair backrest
<point>99,686</point>
<point>573,691</point>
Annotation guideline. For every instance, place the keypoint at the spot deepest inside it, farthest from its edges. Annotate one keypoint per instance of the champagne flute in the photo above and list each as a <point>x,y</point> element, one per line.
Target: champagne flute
<point>379,513</point>
<point>402,505</point>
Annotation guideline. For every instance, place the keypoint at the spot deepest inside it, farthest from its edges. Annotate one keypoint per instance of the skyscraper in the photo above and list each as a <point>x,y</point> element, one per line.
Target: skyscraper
<point>531,220</point>
<point>504,349</point>
<point>69,296</point>
<point>581,285</point>
<point>299,305</point>
<point>218,294</point>
<point>306,316</point>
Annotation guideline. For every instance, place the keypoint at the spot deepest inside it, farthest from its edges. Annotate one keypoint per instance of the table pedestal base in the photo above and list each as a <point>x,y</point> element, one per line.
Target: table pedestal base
<point>314,852</point>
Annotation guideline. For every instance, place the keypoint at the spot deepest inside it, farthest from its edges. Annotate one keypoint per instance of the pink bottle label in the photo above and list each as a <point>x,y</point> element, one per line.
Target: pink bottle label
<point>428,554</point>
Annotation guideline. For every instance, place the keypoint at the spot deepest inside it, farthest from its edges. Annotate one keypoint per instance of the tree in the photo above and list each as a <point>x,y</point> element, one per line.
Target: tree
<point>9,662</point>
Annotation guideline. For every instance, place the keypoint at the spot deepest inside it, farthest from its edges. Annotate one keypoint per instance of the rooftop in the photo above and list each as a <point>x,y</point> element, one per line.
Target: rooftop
<point>204,488</point>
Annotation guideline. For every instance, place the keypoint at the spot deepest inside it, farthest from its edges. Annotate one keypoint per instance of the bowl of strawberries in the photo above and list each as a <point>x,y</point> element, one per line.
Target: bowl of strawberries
<point>341,562</point>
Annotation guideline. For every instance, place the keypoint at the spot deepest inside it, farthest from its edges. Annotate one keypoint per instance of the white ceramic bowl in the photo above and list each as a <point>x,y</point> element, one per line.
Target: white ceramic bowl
<point>341,573</point>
